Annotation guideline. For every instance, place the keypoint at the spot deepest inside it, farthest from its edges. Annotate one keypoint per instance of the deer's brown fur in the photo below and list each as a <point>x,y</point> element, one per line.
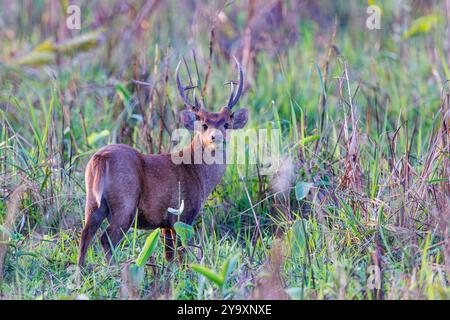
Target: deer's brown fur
<point>121,180</point>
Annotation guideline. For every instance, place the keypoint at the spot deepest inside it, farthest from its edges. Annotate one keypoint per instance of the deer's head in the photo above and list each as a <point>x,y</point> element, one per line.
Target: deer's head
<point>212,126</point>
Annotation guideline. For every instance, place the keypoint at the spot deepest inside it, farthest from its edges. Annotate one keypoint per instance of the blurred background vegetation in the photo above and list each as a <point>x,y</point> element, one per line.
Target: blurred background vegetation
<point>364,116</point>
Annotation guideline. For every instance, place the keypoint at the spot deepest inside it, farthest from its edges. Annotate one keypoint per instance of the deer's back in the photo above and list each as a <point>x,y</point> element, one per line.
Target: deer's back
<point>150,183</point>
<point>115,172</point>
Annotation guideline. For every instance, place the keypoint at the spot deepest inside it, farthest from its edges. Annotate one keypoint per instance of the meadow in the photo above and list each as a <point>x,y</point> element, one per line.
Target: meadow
<point>358,210</point>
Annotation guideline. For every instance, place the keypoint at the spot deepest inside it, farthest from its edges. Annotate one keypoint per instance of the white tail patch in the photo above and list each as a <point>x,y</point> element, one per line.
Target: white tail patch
<point>99,170</point>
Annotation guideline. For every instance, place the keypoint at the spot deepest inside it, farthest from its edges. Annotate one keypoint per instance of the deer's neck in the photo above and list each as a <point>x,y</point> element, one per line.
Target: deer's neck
<point>209,175</point>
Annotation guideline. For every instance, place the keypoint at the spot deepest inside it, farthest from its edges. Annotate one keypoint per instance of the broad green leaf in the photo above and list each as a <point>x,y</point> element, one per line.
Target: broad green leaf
<point>47,45</point>
<point>36,58</point>
<point>302,189</point>
<point>44,53</point>
<point>423,24</point>
<point>149,247</point>
<point>80,43</point>
<point>208,274</point>
<point>184,231</point>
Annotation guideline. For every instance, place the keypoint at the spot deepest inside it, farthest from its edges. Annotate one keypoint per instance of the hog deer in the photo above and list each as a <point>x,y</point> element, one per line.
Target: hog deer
<point>121,181</point>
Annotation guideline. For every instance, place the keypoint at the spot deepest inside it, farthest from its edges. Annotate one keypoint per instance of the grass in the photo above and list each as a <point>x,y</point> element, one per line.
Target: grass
<point>367,138</point>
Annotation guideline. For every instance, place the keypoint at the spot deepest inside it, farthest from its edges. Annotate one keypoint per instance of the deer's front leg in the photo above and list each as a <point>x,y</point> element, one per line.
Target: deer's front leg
<point>169,237</point>
<point>172,244</point>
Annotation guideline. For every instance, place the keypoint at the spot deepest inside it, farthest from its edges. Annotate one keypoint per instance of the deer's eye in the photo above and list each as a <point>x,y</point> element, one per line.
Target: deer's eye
<point>205,127</point>
<point>226,125</point>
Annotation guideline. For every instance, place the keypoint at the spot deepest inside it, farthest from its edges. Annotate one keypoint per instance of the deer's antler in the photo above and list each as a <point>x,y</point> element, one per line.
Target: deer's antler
<point>234,98</point>
<point>181,90</point>
<point>196,106</point>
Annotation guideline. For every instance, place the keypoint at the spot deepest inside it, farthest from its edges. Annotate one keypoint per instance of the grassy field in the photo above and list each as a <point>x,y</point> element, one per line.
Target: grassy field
<point>363,114</point>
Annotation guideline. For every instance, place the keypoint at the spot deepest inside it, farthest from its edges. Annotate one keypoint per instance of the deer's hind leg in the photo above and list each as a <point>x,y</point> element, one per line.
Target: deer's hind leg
<point>94,216</point>
<point>120,222</point>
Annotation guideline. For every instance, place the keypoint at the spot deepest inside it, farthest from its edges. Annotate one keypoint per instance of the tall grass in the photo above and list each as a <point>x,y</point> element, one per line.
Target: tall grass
<point>363,116</point>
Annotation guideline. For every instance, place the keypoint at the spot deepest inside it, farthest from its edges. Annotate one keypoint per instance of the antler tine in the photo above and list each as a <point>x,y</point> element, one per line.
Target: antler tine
<point>181,90</point>
<point>235,98</point>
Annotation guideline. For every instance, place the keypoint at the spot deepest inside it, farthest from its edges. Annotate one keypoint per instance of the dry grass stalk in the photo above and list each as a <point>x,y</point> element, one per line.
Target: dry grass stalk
<point>269,285</point>
<point>128,289</point>
<point>8,224</point>
<point>281,185</point>
<point>441,193</point>
<point>208,69</point>
<point>351,178</point>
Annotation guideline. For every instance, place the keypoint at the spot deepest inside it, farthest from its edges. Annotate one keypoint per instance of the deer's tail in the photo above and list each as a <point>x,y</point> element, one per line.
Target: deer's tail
<point>99,168</point>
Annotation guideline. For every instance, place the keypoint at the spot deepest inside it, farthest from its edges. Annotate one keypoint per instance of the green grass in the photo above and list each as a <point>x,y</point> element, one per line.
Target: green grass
<point>54,117</point>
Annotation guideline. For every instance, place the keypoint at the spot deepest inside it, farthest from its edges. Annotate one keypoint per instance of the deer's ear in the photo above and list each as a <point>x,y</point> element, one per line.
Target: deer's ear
<point>188,119</point>
<point>239,118</point>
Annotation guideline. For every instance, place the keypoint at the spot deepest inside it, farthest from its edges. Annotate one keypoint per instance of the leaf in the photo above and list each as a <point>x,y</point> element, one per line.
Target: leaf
<point>47,45</point>
<point>136,274</point>
<point>208,274</point>
<point>219,279</point>
<point>44,53</point>
<point>27,253</point>
<point>444,63</point>
<point>181,209</point>
<point>294,293</point>
<point>149,248</point>
<point>302,189</point>
<point>95,136</point>
<point>228,266</point>
<point>137,117</point>
<point>125,97</point>
<point>83,42</point>
<point>184,231</point>
<point>322,84</point>
<point>438,180</point>
<point>173,211</point>
<point>177,212</point>
<point>36,58</point>
<point>306,140</point>
<point>297,236</point>
<point>423,24</point>
<point>294,128</point>
<point>309,139</point>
